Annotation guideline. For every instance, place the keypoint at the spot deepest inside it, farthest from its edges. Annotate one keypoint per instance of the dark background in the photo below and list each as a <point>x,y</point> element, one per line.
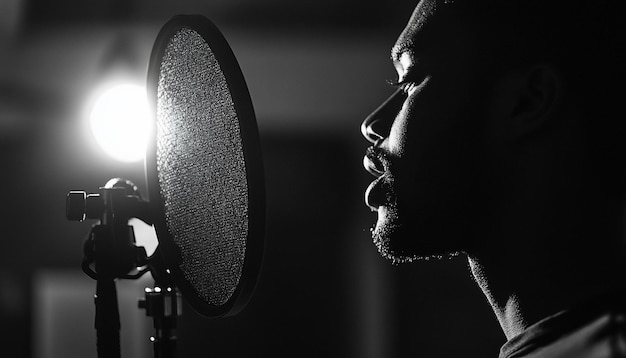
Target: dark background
<point>315,69</point>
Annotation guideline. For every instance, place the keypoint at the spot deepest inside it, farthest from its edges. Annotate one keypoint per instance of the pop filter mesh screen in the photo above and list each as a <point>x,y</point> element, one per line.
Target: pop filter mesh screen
<point>201,167</point>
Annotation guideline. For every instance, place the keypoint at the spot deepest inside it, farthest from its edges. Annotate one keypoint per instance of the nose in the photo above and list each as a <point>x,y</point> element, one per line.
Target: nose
<point>378,124</point>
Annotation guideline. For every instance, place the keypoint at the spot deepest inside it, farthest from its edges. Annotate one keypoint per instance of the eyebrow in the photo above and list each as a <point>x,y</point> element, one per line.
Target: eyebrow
<point>397,51</point>
<point>404,45</point>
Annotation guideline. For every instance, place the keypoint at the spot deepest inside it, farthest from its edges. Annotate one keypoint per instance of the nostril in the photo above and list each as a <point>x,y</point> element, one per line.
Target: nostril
<point>377,125</point>
<point>367,129</point>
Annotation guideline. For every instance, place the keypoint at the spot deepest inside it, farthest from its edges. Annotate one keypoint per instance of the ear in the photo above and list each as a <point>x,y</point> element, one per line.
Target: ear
<point>536,99</point>
<point>525,101</point>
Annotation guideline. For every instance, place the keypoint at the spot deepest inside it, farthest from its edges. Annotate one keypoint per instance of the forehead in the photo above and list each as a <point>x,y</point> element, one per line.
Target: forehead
<point>432,22</point>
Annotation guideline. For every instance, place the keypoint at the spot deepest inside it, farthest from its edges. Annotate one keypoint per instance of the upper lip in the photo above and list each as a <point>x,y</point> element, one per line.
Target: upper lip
<point>377,164</point>
<point>373,165</point>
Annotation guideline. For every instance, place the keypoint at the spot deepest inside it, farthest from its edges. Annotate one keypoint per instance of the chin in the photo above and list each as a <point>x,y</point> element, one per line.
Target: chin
<point>404,241</point>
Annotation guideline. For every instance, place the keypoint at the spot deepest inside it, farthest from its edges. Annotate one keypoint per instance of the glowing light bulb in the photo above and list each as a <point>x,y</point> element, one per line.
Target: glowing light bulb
<point>120,122</point>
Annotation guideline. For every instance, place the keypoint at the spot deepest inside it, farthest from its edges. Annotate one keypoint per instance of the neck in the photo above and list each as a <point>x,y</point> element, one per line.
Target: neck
<point>552,237</point>
<point>550,231</point>
<point>523,293</point>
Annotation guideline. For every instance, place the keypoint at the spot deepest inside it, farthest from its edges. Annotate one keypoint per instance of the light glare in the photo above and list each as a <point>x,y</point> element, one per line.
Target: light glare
<point>120,122</point>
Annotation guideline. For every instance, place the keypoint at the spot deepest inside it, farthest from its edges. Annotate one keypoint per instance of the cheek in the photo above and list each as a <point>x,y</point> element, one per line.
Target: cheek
<point>440,118</point>
<point>399,134</point>
<point>434,139</point>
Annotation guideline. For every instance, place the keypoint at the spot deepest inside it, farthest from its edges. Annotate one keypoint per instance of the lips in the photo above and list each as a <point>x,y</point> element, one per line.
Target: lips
<point>373,165</point>
<point>375,195</point>
<point>377,192</point>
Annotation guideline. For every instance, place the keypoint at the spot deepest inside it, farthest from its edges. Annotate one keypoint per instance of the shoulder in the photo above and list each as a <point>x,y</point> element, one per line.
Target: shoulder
<point>594,330</point>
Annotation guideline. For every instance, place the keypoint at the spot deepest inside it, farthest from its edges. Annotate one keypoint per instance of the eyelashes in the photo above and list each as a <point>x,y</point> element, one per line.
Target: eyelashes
<point>397,84</point>
<point>406,86</point>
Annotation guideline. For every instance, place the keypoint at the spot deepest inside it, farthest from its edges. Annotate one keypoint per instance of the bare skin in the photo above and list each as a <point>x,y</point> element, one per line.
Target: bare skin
<point>492,164</point>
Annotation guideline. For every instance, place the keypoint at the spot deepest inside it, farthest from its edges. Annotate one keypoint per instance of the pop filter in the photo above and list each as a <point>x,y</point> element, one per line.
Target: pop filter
<point>204,167</point>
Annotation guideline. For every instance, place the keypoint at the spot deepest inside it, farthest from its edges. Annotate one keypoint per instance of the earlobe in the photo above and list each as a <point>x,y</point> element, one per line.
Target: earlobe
<point>537,99</point>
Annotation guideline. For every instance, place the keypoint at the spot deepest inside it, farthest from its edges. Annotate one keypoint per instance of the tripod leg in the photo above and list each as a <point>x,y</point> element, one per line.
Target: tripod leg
<point>164,306</point>
<point>107,319</point>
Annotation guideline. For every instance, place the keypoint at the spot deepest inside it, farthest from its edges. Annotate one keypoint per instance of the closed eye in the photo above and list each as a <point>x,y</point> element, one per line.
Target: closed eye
<point>406,85</point>
<point>399,84</point>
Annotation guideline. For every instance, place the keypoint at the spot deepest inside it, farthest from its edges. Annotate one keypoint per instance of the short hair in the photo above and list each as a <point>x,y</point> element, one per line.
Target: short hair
<point>556,30</point>
<point>586,40</point>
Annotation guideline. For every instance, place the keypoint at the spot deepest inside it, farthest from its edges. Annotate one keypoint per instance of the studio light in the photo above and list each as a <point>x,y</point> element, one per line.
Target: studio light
<point>120,122</point>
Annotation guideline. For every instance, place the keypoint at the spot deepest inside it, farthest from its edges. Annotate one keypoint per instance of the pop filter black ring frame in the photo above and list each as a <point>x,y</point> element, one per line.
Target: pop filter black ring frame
<point>253,162</point>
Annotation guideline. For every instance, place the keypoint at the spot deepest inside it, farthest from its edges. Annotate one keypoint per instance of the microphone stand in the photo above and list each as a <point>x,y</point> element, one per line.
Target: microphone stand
<point>111,250</point>
<point>107,322</point>
<point>163,303</point>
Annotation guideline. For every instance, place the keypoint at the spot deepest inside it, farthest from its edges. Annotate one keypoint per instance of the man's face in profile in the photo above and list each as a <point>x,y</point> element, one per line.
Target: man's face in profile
<point>428,137</point>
